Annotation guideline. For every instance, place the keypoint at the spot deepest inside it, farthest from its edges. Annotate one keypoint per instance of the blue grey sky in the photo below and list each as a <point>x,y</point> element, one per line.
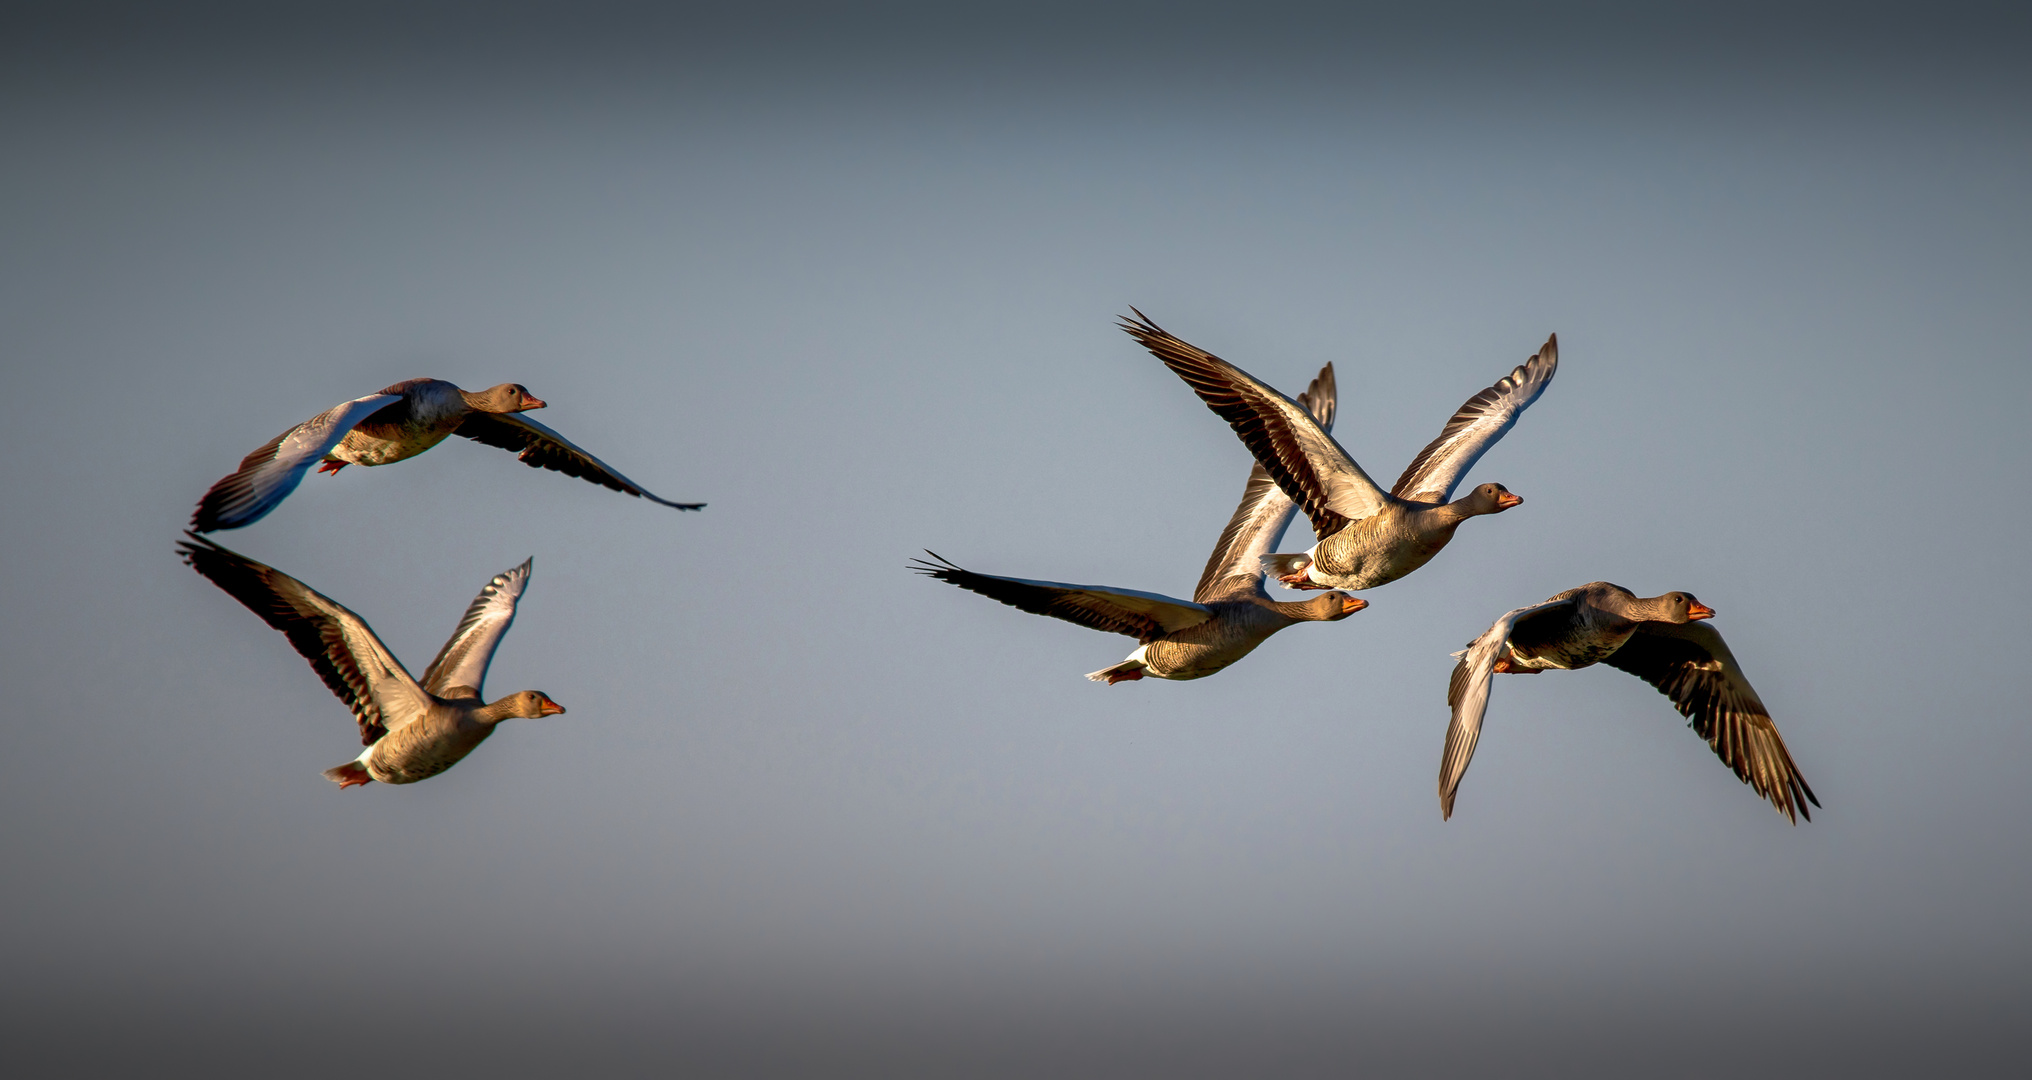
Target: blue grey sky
<point>850,277</point>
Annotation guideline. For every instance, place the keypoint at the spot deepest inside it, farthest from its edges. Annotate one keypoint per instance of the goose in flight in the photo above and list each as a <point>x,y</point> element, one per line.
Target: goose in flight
<point>400,422</point>
<point>1229,613</point>
<point>1662,641</point>
<point>412,730</point>
<point>1366,536</point>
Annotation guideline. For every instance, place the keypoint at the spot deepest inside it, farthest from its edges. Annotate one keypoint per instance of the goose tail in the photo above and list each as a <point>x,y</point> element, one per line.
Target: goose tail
<point>351,774</point>
<point>1126,671</point>
<point>1288,566</point>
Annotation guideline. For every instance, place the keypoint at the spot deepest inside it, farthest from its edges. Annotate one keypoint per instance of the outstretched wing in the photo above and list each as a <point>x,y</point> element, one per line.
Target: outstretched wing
<point>1259,522</point>
<point>1475,427</point>
<point>541,448</point>
<point>1692,665</point>
<point>268,475</point>
<point>1141,615</point>
<point>340,646</point>
<point>462,663</point>
<point>1467,694</point>
<point>1297,453</point>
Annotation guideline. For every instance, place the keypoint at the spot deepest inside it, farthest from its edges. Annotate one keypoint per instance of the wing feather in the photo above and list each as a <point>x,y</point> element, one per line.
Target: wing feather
<point>340,646</point>
<point>1467,695</point>
<point>267,476</point>
<point>1437,470</point>
<point>1265,512</point>
<point>1693,666</point>
<point>1297,453</point>
<point>1141,615</point>
<point>463,660</point>
<point>541,448</point>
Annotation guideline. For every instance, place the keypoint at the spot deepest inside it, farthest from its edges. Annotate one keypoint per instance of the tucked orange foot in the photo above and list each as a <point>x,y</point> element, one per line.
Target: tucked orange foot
<point>1504,667</point>
<point>1126,676</point>
<point>359,779</point>
<point>333,467</point>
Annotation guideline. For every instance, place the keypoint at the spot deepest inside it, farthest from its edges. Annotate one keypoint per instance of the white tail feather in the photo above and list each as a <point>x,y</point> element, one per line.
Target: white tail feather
<point>1129,668</point>
<point>1279,566</point>
<point>351,774</point>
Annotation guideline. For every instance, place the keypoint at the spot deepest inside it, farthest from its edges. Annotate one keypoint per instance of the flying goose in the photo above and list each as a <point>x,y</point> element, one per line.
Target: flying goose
<point>1367,537</point>
<point>1229,613</point>
<point>400,422</point>
<point>1661,641</point>
<point>412,731</point>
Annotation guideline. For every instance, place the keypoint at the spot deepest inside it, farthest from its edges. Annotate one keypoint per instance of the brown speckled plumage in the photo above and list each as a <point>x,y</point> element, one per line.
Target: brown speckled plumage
<point>398,423</point>
<point>1229,614</point>
<point>412,730</point>
<point>1367,537</point>
<point>1659,639</point>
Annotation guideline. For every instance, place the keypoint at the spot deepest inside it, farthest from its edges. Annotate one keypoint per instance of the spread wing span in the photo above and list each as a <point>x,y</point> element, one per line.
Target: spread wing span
<point>268,475</point>
<point>1433,475</point>
<point>340,646</point>
<point>541,448</point>
<point>1693,666</point>
<point>462,664</point>
<point>1141,615</point>
<point>1259,522</point>
<point>1291,446</point>
<point>1467,694</point>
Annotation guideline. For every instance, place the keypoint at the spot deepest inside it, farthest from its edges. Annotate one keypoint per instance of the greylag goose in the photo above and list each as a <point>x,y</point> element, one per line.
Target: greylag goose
<point>1229,613</point>
<point>412,731</point>
<point>1367,537</point>
<point>1662,641</point>
<point>400,422</point>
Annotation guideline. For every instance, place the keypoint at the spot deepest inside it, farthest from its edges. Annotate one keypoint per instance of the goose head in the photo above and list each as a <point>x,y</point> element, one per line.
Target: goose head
<point>1335,605</point>
<point>505,398</point>
<point>1490,499</point>
<point>531,704</point>
<point>1679,607</point>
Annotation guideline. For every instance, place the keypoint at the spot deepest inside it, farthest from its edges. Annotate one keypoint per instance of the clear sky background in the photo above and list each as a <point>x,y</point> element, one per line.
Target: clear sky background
<point>850,277</point>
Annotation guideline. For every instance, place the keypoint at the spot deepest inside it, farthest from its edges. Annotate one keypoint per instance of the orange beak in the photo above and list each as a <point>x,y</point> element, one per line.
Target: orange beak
<point>529,403</point>
<point>1699,611</point>
<point>1352,604</point>
<point>1507,500</point>
<point>552,708</point>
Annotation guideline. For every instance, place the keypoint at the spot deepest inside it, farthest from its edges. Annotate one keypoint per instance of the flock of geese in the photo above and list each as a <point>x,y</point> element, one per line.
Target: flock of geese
<point>1365,537</point>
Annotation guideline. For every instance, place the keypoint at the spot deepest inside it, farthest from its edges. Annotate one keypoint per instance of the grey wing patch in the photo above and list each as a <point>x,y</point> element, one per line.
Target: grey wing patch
<point>541,448</point>
<point>1254,531</point>
<point>340,646</point>
<point>1291,446</point>
<point>267,476</point>
<point>1467,697</point>
<point>1437,470</point>
<point>1143,616</point>
<point>1693,666</point>
<point>1258,524</point>
<point>462,663</point>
